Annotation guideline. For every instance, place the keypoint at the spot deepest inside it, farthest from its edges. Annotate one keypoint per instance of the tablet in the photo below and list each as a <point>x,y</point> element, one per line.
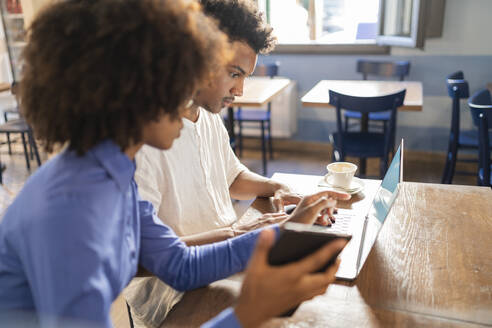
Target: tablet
<point>298,240</point>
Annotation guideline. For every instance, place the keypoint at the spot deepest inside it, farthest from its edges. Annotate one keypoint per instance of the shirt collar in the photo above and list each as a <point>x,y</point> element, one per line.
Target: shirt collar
<point>118,165</point>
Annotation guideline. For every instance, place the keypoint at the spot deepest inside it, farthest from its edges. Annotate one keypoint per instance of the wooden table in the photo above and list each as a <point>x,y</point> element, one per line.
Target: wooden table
<point>257,92</point>
<point>4,86</point>
<point>431,266</point>
<point>318,96</point>
<point>489,86</point>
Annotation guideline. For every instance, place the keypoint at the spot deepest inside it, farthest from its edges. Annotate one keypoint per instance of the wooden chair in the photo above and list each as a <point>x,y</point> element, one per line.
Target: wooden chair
<point>365,144</point>
<point>258,116</point>
<point>398,69</point>
<point>481,109</point>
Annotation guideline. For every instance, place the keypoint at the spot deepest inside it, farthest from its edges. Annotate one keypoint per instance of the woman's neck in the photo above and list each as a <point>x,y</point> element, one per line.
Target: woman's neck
<point>132,150</point>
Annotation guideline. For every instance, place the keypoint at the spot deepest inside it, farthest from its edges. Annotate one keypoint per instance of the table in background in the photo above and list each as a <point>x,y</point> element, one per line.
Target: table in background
<point>318,96</point>
<point>257,92</point>
<point>430,266</point>
<point>4,86</point>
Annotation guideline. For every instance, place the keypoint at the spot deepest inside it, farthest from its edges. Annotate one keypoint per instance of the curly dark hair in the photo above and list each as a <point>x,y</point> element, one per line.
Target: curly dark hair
<point>102,69</point>
<point>242,21</point>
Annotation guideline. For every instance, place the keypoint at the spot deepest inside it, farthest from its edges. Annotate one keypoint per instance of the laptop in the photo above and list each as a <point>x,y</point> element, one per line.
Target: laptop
<point>365,229</point>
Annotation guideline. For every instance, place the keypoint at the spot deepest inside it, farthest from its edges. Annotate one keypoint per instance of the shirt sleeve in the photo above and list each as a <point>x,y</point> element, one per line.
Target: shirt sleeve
<point>183,267</point>
<point>64,265</point>
<point>149,175</point>
<point>232,164</point>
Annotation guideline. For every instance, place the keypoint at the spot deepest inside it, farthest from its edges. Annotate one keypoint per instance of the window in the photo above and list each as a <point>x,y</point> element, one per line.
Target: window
<point>322,21</point>
<point>402,23</point>
<point>347,22</point>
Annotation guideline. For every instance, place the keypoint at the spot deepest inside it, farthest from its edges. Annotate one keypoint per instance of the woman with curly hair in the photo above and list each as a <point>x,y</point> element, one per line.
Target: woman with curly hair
<point>104,77</point>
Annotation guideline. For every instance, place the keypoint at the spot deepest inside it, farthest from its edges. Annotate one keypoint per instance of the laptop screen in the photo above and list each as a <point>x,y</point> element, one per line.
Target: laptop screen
<point>388,190</point>
<point>381,206</point>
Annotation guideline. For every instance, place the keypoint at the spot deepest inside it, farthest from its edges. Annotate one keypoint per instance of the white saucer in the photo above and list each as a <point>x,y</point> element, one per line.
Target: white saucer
<point>356,185</point>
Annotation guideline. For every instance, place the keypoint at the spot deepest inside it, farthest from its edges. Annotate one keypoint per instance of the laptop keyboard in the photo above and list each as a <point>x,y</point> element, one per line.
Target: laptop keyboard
<point>342,223</point>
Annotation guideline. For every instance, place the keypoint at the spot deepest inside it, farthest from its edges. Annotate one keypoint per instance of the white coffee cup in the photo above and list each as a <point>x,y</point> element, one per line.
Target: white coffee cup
<point>340,174</point>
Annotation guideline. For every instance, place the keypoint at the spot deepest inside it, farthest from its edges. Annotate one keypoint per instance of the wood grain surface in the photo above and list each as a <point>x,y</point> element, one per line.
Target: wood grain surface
<point>318,95</point>
<point>431,266</point>
<point>433,255</point>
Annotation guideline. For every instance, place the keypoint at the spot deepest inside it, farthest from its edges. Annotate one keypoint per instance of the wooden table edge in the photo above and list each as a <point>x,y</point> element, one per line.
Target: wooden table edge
<point>258,104</point>
<point>4,86</point>
<point>410,108</point>
<point>406,107</point>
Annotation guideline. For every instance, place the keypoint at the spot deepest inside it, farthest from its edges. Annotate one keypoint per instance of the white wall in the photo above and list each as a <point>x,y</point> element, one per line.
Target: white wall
<point>467,30</point>
<point>466,44</point>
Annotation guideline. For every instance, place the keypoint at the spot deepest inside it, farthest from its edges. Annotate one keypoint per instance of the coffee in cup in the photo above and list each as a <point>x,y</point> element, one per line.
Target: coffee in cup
<point>340,174</point>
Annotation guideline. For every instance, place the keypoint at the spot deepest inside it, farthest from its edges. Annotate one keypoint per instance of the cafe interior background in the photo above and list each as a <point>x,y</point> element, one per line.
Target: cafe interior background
<point>319,40</point>
<point>322,40</point>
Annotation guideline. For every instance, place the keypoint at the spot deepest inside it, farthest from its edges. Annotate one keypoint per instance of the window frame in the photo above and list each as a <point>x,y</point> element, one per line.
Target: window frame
<point>332,48</point>
<point>380,46</point>
<point>368,47</point>
<point>417,34</point>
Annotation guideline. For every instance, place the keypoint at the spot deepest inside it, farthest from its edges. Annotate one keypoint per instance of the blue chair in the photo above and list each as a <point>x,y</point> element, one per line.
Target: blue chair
<point>260,116</point>
<point>458,89</point>
<point>481,109</point>
<point>398,69</point>
<point>19,126</point>
<point>11,111</point>
<point>365,144</point>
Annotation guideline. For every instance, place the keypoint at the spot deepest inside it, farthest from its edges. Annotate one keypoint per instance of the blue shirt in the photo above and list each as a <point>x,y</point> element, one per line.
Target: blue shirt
<point>72,239</point>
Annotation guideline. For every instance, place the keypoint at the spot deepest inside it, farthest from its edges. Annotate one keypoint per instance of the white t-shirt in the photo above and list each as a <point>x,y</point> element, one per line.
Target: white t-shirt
<point>189,183</point>
<point>189,188</point>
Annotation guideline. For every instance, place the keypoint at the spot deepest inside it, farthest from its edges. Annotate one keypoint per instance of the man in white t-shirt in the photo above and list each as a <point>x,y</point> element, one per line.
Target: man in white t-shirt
<point>191,184</point>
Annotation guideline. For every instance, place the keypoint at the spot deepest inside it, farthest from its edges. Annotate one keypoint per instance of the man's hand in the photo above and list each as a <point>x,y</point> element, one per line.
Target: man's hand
<point>269,291</point>
<point>284,196</point>
<point>264,220</point>
<point>316,206</point>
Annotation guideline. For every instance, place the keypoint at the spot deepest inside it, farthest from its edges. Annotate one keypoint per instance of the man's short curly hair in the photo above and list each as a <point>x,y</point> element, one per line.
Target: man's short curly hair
<point>242,21</point>
<point>102,69</point>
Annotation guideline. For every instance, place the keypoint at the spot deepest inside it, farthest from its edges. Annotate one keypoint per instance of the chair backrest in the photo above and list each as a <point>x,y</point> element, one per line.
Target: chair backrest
<point>481,109</point>
<point>367,105</point>
<point>457,89</point>
<point>398,69</point>
<point>457,85</point>
<point>270,69</point>
<point>484,149</point>
<point>481,102</point>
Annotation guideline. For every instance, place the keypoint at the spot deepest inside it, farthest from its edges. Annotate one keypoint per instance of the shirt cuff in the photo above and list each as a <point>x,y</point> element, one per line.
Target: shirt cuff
<point>225,319</point>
